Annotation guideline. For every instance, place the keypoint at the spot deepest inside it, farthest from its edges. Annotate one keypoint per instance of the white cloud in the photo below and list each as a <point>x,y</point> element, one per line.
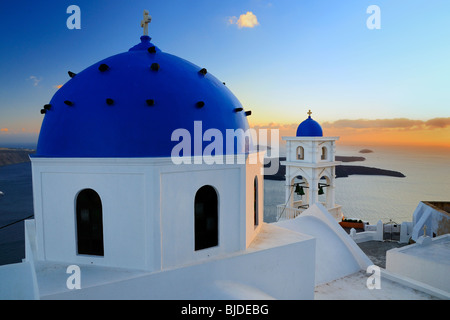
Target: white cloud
<point>35,80</point>
<point>248,20</point>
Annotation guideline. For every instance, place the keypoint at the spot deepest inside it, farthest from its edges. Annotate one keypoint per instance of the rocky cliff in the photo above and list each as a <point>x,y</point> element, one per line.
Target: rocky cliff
<point>12,156</point>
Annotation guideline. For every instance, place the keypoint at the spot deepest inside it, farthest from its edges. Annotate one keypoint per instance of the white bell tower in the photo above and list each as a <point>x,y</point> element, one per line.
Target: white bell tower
<point>310,171</point>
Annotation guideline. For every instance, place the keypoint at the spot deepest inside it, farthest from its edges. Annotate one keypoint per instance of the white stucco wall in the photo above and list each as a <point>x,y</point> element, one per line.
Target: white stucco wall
<point>56,185</point>
<point>148,209</point>
<point>253,169</point>
<point>177,213</point>
<point>17,282</point>
<point>312,148</point>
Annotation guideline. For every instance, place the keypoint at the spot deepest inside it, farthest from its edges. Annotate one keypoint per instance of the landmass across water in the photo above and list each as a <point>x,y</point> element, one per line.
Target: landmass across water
<point>342,171</point>
<point>365,151</point>
<point>12,156</point>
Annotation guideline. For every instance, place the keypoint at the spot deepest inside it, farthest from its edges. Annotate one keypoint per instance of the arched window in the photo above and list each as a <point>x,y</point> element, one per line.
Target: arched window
<point>255,202</point>
<point>300,153</point>
<point>324,153</point>
<point>206,218</point>
<point>89,223</point>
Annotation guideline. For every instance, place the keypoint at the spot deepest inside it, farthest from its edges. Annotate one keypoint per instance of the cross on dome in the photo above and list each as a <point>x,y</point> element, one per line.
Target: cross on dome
<point>309,113</point>
<point>144,23</point>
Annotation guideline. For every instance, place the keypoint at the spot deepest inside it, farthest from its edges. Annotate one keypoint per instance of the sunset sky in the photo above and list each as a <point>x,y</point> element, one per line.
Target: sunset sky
<point>279,57</point>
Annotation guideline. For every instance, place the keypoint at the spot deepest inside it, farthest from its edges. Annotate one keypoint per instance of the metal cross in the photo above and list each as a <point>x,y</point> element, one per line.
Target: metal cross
<point>309,113</point>
<point>144,23</point>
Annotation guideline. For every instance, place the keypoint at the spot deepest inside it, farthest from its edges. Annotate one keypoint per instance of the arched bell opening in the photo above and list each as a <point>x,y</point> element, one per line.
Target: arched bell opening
<point>323,191</point>
<point>300,192</point>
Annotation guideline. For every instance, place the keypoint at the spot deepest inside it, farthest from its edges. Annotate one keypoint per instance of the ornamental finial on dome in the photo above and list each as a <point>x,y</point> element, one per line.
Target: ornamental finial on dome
<point>309,113</point>
<point>144,23</point>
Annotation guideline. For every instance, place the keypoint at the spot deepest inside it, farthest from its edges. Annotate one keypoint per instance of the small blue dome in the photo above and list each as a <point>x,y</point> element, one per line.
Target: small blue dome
<point>309,128</point>
<point>128,105</point>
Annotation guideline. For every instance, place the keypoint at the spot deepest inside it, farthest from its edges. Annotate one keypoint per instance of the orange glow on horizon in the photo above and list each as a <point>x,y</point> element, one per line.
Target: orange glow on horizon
<point>392,136</point>
<point>424,137</point>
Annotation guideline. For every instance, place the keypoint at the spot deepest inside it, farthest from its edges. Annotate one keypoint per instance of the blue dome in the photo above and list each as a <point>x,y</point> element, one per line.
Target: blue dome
<point>129,105</point>
<point>309,128</point>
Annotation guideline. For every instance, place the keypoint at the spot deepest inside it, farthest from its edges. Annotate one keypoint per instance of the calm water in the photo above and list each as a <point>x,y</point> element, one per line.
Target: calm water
<point>369,198</point>
<point>16,204</point>
<point>373,198</point>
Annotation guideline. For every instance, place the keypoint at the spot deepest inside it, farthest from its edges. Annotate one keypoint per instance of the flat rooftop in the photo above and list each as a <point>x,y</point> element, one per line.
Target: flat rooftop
<point>353,287</point>
<point>52,277</point>
<point>438,251</point>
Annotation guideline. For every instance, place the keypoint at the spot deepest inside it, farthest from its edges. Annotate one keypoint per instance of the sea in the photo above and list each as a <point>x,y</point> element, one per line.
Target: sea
<point>369,198</point>
<point>374,198</point>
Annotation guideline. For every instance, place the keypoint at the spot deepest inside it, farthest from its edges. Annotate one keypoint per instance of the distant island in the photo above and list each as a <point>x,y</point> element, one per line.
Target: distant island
<point>342,171</point>
<point>12,156</point>
<point>365,151</point>
<point>349,158</point>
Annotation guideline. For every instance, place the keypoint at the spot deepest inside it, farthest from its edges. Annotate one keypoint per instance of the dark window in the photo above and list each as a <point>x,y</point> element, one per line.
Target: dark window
<point>255,201</point>
<point>206,218</point>
<point>89,223</point>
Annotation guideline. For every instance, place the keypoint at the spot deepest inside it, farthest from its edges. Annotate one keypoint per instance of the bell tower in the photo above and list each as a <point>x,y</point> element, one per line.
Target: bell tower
<point>310,171</point>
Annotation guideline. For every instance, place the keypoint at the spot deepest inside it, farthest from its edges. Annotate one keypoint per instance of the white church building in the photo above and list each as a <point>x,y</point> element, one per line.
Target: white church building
<point>135,198</point>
